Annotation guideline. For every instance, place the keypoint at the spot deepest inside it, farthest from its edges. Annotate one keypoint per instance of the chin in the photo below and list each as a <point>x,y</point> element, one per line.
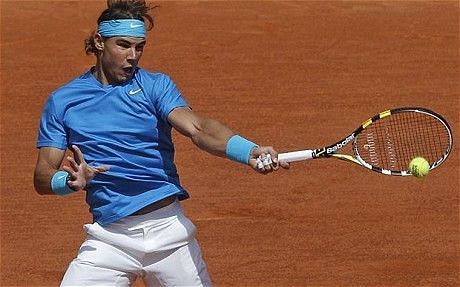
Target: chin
<point>123,79</point>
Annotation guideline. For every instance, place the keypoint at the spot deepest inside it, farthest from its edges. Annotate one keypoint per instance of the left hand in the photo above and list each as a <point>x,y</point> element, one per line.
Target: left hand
<point>264,159</point>
<point>80,172</point>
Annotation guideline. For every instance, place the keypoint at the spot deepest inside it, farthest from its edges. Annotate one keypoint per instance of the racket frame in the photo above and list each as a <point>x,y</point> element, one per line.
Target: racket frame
<point>331,150</point>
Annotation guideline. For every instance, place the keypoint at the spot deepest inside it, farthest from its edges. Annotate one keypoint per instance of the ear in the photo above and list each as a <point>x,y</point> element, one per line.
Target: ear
<point>99,42</point>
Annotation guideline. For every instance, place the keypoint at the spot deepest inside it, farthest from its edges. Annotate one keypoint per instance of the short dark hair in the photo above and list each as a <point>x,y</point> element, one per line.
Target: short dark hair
<point>121,9</point>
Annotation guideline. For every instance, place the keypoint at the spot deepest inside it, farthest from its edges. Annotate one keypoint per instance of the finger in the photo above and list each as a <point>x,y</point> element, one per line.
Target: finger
<point>260,165</point>
<point>272,161</point>
<point>70,171</point>
<point>73,185</point>
<point>267,162</point>
<point>78,154</point>
<point>261,168</point>
<point>274,157</point>
<point>284,164</point>
<point>73,163</point>
<point>102,168</point>
<point>268,159</point>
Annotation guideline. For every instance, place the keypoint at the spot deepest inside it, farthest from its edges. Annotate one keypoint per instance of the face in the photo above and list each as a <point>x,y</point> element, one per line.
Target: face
<point>118,58</point>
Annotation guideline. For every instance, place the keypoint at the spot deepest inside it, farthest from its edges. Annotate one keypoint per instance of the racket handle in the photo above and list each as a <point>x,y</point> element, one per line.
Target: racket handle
<point>296,155</point>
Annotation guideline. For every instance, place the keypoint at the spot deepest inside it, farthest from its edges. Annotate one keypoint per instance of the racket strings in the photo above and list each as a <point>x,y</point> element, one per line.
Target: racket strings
<point>392,142</point>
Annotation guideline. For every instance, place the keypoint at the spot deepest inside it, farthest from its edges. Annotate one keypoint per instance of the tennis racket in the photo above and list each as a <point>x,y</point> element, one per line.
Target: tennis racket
<point>387,142</point>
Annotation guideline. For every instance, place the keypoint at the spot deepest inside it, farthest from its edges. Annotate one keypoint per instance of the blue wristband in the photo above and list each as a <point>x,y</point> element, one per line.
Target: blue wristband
<point>59,183</point>
<point>239,149</point>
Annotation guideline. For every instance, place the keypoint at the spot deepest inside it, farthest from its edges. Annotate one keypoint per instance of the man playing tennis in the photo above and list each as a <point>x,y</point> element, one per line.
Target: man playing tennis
<point>117,119</point>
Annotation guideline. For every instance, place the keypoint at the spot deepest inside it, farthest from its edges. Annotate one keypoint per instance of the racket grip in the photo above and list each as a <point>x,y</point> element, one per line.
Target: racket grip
<point>295,155</point>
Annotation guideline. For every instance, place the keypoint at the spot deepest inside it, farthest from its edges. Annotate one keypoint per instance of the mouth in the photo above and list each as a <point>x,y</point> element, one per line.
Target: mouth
<point>128,70</point>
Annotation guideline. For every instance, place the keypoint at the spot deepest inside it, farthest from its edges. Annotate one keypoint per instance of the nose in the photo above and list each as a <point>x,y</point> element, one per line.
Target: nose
<point>132,53</point>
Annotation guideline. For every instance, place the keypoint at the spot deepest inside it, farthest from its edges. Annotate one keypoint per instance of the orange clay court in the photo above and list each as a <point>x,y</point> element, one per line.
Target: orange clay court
<point>292,74</point>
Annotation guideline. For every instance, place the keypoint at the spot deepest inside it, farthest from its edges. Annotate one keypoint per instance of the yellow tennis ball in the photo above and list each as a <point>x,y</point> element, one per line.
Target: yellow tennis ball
<point>419,166</point>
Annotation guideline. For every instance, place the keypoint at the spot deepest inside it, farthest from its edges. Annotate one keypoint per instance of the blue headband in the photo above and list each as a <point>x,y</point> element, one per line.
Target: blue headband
<point>122,27</point>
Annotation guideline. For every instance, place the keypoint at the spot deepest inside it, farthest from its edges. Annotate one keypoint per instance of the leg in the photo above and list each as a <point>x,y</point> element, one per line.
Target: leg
<point>100,264</point>
<point>183,266</point>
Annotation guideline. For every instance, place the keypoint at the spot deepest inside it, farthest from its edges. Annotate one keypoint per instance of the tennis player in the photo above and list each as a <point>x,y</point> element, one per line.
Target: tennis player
<point>117,120</point>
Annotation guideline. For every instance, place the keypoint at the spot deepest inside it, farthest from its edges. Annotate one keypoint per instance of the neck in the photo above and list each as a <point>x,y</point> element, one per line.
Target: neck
<point>99,74</point>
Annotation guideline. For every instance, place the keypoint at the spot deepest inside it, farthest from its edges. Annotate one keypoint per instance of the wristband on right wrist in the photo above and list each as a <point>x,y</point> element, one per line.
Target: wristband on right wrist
<point>59,183</point>
<point>239,149</point>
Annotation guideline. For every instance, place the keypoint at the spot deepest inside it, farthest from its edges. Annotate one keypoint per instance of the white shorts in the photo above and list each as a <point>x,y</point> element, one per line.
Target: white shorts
<point>159,247</point>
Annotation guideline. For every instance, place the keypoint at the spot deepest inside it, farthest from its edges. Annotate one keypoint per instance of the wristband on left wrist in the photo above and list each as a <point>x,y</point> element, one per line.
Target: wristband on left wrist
<point>59,183</point>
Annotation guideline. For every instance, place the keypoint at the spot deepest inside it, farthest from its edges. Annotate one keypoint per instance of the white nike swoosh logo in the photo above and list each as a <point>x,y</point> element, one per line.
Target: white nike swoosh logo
<point>135,26</point>
<point>133,92</point>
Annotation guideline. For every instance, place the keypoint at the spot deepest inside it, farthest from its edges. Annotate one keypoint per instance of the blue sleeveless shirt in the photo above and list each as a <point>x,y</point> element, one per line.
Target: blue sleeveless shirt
<point>125,127</point>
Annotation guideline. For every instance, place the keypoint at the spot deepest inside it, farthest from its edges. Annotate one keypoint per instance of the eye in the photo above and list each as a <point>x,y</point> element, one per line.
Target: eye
<point>124,45</point>
<point>140,48</point>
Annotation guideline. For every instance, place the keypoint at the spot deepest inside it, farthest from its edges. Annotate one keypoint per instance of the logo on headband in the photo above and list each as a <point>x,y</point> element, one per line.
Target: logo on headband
<point>132,25</point>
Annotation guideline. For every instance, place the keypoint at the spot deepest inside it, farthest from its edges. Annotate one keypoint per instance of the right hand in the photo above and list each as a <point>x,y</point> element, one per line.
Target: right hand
<point>80,172</point>
<point>260,154</point>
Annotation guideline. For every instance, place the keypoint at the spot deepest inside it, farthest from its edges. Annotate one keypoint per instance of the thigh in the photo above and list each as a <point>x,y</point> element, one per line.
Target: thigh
<point>100,264</point>
<point>183,266</point>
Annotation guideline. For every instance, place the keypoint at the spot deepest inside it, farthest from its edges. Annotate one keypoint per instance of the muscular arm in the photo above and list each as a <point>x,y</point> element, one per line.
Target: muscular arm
<point>212,136</point>
<point>48,162</point>
<point>208,134</point>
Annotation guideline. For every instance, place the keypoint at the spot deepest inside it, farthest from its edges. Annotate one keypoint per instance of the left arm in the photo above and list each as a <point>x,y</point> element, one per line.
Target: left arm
<point>212,136</point>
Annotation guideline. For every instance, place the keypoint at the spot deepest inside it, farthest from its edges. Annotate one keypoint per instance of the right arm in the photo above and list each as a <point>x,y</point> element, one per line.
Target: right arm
<point>213,137</point>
